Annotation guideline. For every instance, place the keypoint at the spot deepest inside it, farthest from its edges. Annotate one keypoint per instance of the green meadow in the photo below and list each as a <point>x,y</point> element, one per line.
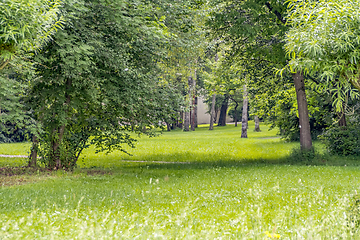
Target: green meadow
<point>185,185</point>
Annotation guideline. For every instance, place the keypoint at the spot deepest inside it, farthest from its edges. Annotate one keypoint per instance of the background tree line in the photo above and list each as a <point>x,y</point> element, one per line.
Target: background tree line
<point>90,72</point>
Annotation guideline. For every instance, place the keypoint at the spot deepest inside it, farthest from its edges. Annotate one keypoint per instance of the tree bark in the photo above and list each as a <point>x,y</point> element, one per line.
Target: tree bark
<point>236,106</point>
<point>342,118</point>
<point>59,132</point>
<point>193,110</point>
<point>186,121</point>
<point>223,110</point>
<point>257,124</point>
<point>33,154</point>
<point>58,136</point>
<point>304,123</point>
<point>212,112</point>
<point>244,119</point>
<point>187,112</point>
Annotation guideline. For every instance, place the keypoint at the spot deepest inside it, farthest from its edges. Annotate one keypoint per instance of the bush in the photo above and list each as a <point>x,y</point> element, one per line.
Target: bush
<point>11,133</point>
<point>343,141</point>
<point>306,157</point>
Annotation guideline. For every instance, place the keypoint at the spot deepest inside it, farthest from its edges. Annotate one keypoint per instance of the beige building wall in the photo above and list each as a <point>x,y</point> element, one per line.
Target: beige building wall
<point>202,116</point>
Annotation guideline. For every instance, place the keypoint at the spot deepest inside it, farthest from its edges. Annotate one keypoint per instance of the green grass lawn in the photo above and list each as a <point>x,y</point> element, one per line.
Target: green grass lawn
<point>231,188</point>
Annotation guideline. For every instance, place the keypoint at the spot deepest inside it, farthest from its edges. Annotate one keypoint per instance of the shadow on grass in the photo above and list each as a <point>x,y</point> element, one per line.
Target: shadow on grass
<point>294,160</point>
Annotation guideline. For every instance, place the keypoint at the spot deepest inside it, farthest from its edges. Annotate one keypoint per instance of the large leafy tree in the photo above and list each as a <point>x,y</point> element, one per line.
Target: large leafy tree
<point>324,40</point>
<point>99,80</point>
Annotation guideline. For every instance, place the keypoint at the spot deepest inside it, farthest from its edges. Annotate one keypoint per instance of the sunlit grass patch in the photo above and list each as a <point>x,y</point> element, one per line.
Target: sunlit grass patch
<point>221,144</point>
<point>15,148</point>
<point>12,162</point>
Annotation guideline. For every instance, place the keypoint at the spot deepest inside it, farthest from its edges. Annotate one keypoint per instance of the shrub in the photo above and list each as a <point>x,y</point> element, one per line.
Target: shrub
<point>343,141</point>
<point>300,156</point>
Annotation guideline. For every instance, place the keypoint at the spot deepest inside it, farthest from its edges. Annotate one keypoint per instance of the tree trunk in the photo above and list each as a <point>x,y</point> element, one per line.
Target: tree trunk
<point>257,124</point>
<point>168,126</point>
<point>342,119</point>
<point>34,149</point>
<point>59,132</point>
<point>212,112</point>
<point>223,110</point>
<point>187,112</point>
<point>58,136</point>
<point>193,110</point>
<point>236,106</point>
<point>304,123</point>
<point>216,114</point>
<point>244,119</point>
<point>186,121</point>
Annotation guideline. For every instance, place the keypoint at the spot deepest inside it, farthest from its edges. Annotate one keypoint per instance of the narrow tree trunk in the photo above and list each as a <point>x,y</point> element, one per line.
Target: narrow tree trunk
<point>342,119</point>
<point>216,114</point>
<point>257,124</point>
<point>186,121</point>
<point>58,136</point>
<point>212,112</point>
<point>223,110</point>
<point>304,123</point>
<point>193,110</point>
<point>236,106</point>
<point>59,132</point>
<point>244,120</point>
<point>168,126</point>
<point>34,149</point>
<point>187,112</point>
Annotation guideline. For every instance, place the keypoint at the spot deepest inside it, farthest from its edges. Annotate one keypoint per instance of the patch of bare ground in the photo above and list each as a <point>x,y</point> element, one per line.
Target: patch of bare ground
<point>10,176</point>
<point>14,176</point>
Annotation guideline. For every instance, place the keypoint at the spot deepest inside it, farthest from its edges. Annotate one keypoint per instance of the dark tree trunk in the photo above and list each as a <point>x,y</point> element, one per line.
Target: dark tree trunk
<point>216,114</point>
<point>168,126</point>
<point>58,133</point>
<point>195,112</point>
<point>236,106</point>
<point>257,124</point>
<point>304,123</point>
<point>34,149</point>
<point>244,119</point>
<point>212,112</point>
<point>342,119</point>
<point>223,110</point>
<point>174,124</point>
<point>55,145</point>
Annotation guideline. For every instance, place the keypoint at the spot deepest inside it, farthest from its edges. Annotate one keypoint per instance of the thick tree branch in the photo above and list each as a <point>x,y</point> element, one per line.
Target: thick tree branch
<point>3,64</point>
<point>278,15</point>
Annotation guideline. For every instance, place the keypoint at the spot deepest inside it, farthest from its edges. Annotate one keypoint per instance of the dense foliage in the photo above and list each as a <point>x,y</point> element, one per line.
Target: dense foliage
<point>343,140</point>
<point>324,40</point>
<point>99,79</point>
